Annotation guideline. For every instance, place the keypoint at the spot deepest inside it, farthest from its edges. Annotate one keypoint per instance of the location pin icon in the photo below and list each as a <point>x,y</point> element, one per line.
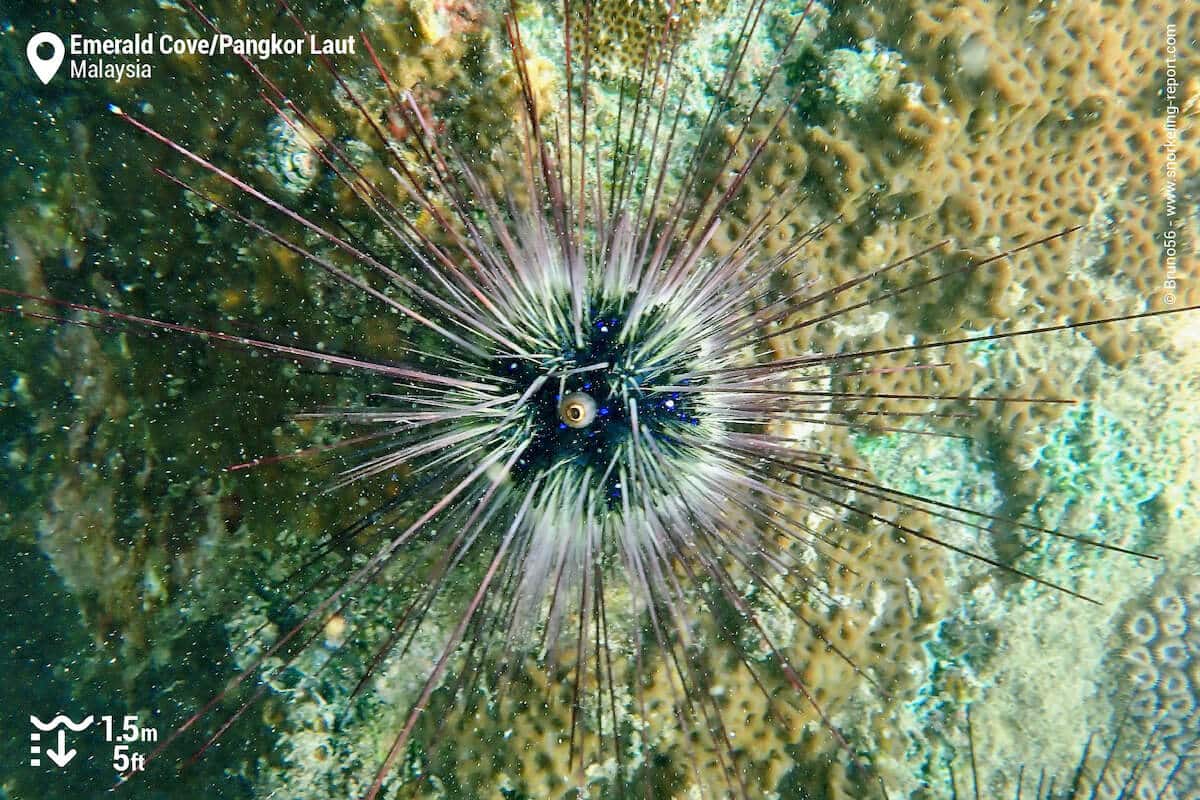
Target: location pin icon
<point>45,67</point>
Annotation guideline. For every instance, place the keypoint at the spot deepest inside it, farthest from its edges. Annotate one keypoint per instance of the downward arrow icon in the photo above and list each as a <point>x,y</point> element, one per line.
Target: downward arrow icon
<point>62,756</point>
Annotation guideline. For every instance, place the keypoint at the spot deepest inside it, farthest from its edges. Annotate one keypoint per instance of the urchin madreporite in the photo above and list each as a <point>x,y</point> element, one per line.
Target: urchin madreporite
<point>588,423</point>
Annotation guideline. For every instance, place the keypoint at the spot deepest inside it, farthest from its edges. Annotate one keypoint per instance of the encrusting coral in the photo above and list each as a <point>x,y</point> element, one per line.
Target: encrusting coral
<point>992,126</point>
<point>992,138</point>
<point>1162,662</point>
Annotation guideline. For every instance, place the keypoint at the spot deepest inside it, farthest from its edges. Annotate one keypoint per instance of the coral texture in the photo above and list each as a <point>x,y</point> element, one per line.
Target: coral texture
<point>1009,123</point>
<point>1163,676</point>
<point>985,124</point>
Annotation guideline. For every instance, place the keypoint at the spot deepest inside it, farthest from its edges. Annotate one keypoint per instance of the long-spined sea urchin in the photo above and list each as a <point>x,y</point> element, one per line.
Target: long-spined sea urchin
<point>591,398</point>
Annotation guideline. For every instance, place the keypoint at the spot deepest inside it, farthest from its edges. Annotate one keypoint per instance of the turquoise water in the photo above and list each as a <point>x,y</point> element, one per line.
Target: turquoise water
<point>141,573</point>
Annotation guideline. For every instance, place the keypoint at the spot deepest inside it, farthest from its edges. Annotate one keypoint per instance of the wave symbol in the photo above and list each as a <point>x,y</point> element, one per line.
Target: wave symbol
<point>61,719</point>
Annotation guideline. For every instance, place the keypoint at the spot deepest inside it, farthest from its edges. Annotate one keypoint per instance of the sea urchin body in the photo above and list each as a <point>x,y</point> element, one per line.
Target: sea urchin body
<point>589,405</point>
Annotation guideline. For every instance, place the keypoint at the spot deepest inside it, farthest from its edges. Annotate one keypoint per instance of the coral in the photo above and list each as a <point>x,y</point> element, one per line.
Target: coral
<point>1010,123</point>
<point>516,743</point>
<point>326,739</point>
<point>1109,476</point>
<point>855,78</point>
<point>122,541</point>
<point>453,63</point>
<point>1003,146</point>
<point>989,125</point>
<point>1162,674</point>
<point>947,470</point>
<point>622,32</point>
<point>1109,766</point>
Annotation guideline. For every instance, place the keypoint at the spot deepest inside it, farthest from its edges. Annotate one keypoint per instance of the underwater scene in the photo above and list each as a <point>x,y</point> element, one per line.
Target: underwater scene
<point>547,399</point>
